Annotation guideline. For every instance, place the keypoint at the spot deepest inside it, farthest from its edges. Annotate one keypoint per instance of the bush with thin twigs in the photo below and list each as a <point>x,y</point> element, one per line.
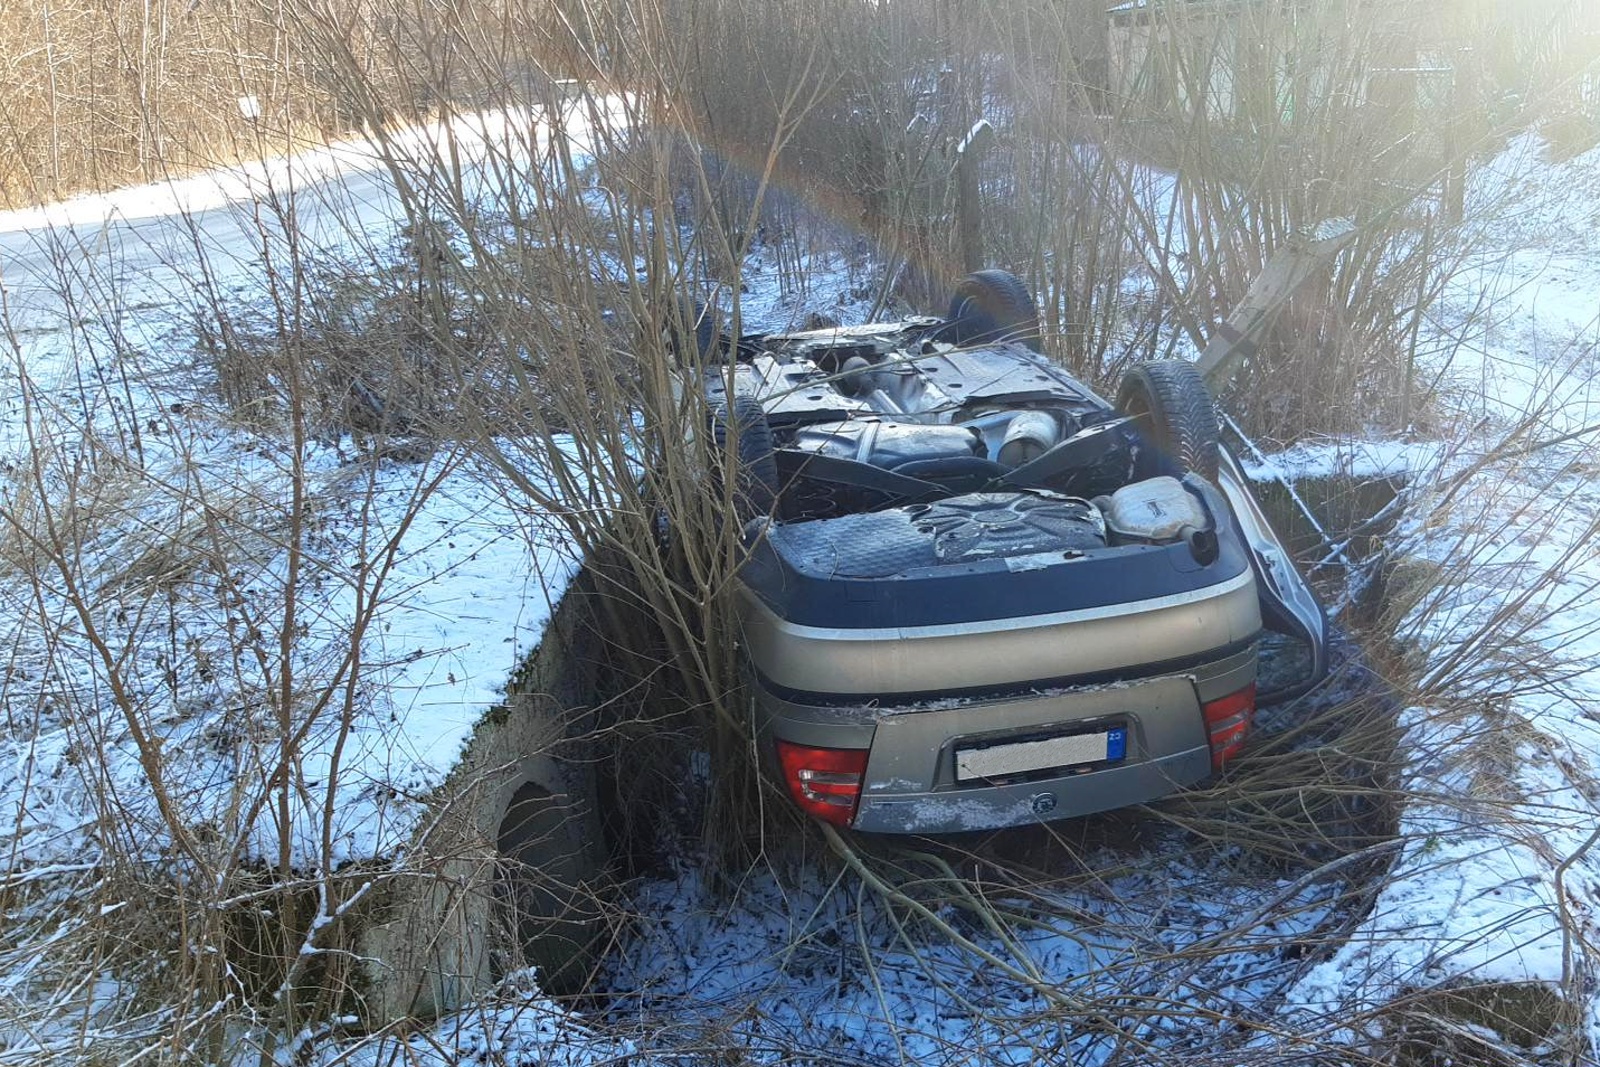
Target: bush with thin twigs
<point>1263,122</point>
<point>514,365</point>
<point>195,671</point>
<point>524,334</point>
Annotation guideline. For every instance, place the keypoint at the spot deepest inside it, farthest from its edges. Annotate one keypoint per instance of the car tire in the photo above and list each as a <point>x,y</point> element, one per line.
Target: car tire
<point>1176,415</point>
<point>690,330</point>
<point>757,486</point>
<point>546,884</point>
<point>993,305</point>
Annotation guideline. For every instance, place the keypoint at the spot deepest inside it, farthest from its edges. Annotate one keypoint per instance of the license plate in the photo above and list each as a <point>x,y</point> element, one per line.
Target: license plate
<point>1024,757</point>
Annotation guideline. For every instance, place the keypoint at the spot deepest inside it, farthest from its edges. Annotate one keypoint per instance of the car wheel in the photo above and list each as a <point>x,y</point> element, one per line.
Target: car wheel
<point>993,305</point>
<point>546,885</point>
<point>757,485</point>
<point>1176,415</point>
<point>690,330</point>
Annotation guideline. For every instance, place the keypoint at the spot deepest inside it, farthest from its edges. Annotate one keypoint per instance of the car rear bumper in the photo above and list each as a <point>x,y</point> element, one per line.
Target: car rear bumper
<point>1022,803</point>
<point>912,784</point>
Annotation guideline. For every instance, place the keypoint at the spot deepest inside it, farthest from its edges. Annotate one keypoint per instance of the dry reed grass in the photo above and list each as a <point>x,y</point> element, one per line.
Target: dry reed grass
<point>530,339</point>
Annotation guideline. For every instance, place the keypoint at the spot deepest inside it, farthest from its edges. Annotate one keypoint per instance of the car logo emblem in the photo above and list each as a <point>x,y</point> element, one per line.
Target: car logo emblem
<point>1044,803</point>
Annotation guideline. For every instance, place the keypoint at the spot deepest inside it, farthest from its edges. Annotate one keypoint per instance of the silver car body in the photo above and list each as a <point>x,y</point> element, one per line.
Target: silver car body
<point>989,685</point>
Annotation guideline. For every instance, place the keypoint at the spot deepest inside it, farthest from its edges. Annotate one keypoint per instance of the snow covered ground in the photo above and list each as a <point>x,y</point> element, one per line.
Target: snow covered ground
<point>1155,935</point>
<point>1499,881</point>
<point>1206,954</point>
<point>449,580</point>
<point>1496,877</point>
<point>172,575</point>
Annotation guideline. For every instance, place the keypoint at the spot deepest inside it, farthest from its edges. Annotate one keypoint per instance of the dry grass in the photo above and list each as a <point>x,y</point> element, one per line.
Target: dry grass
<point>526,337</point>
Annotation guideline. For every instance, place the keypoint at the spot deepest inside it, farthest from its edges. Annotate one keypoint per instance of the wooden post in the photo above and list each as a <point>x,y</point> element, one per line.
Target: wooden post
<point>1455,138</point>
<point>1294,263</point>
<point>969,208</point>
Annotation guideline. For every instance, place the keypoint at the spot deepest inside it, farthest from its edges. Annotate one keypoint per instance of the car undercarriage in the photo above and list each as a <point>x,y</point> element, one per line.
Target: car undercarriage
<point>978,594</point>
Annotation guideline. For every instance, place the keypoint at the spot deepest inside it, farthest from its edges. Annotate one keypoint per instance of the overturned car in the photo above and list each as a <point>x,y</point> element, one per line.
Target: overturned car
<point>977,594</point>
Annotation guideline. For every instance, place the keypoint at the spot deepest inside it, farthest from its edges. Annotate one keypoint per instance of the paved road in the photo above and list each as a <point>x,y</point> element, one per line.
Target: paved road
<point>159,237</point>
<point>112,272</point>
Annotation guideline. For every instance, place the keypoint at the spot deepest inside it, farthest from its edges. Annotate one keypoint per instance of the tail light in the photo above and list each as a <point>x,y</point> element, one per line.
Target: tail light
<point>825,782</point>
<point>1227,723</point>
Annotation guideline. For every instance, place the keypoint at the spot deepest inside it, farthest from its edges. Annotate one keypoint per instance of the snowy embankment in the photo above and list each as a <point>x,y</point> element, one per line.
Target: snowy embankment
<point>1499,878</point>
<point>154,538</point>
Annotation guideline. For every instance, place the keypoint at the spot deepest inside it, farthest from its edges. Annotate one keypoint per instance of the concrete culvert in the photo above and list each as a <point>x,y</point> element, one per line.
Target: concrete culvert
<point>546,886</point>
<point>510,870</point>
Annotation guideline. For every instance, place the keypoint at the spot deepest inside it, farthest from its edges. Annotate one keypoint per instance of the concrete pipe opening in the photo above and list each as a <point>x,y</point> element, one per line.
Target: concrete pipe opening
<point>547,889</point>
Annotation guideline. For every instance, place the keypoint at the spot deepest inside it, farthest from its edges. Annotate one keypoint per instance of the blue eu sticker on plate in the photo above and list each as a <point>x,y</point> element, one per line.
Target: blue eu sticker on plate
<point>1116,743</point>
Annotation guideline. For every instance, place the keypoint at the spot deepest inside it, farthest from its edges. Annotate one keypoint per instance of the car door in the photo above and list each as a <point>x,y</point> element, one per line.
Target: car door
<point>1288,605</point>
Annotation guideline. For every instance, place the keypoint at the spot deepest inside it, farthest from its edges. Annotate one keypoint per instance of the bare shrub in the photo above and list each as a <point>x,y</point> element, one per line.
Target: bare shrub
<point>1140,191</point>
<point>524,334</point>
<point>193,656</point>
